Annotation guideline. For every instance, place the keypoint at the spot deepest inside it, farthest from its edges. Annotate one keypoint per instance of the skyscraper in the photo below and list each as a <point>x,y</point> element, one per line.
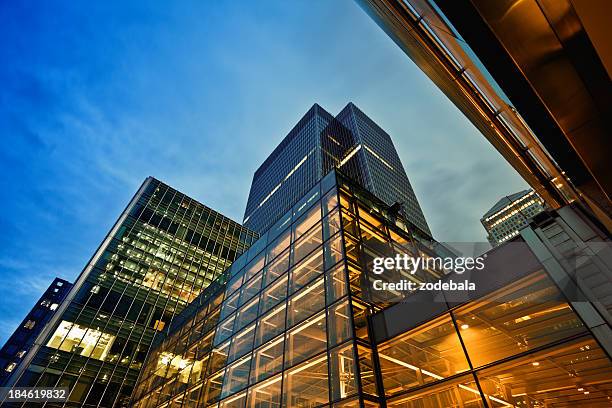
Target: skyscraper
<point>161,253</point>
<point>510,214</point>
<point>22,339</point>
<point>351,142</point>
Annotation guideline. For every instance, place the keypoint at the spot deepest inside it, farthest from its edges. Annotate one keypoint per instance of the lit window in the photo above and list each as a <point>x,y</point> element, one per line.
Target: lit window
<point>84,341</point>
<point>9,368</point>
<point>29,324</point>
<point>21,353</point>
<point>307,382</point>
<point>53,306</point>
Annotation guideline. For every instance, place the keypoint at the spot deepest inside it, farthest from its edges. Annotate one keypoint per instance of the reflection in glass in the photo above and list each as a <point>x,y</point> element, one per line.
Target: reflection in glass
<point>250,289</point>
<point>306,221</point>
<point>247,313</point>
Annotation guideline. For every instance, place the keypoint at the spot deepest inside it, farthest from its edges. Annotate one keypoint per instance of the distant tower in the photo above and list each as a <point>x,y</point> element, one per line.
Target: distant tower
<point>22,339</point>
<point>351,142</point>
<point>510,214</point>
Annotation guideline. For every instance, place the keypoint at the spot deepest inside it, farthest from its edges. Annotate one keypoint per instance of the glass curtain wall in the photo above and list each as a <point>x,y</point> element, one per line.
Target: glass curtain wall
<point>291,328</point>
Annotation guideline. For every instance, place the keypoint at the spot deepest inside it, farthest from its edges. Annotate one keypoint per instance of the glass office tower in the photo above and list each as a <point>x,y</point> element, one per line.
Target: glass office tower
<point>291,324</point>
<point>510,214</point>
<point>351,142</point>
<point>162,252</point>
<point>24,336</point>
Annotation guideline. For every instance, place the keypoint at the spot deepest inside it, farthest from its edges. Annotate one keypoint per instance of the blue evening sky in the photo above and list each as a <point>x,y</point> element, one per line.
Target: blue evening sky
<point>95,96</point>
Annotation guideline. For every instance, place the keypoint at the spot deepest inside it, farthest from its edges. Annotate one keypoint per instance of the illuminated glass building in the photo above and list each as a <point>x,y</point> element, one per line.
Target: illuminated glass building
<point>292,324</point>
<point>510,214</point>
<point>22,339</point>
<point>161,253</point>
<point>352,142</point>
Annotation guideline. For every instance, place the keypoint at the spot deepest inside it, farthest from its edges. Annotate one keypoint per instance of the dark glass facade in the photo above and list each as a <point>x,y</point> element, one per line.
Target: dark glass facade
<point>22,339</point>
<point>351,142</point>
<point>290,325</point>
<point>162,252</point>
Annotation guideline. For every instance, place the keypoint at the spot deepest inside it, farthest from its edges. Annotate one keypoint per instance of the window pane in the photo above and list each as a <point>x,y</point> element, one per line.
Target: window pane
<point>225,330</point>
<point>306,340</point>
<point>374,239</point>
<point>242,342</point>
<point>515,319</point>
<point>336,283</point>
<point>307,243</point>
<point>237,376</point>
<point>307,270</point>
<point>255,266</point>
<point>274,294</point>
<point>250,289</point>
<point>424,355</point>
<point>306,385</point>
<point>271,325</point>
<point>247,313</point>
<point>306,221</point>
<point>342,372</point>
<point>339,322</point>
<point>234,283</point>
<point>330,201</point>
<point>334,251</point>
<point>265,395</point>
<point>366,368</point>
<point>213,388</point>
<point>267,360</point>
<point>279,245</point>
<point>457,393</point>
<point>307,302</point>
<point>235,401</point>
<point>331,224</point>
<point>575,374</point>
<point>277,267</point>
<point>218,358</point>
<point>230,305</point>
